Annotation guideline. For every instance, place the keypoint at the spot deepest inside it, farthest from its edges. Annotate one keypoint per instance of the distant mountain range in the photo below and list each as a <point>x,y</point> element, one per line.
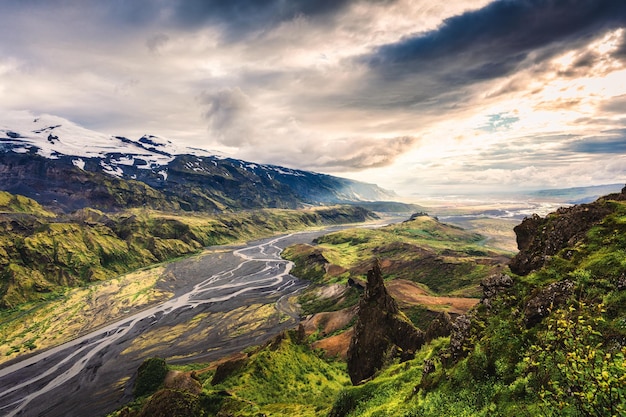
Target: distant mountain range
<point>578,195</point>
<point>67,167</point>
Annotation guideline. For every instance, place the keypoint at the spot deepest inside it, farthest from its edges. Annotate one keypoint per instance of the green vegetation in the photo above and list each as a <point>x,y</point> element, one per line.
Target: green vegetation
<point>391,392</point>
<point>582,377</point>
<point>551,344</point>
<point>41,255</point>
<point>296,374</point>
<point>569,361</point>
<point>10,203</point>
<point>440,258</point>
<point>282,378</point>
<point>150,376</point>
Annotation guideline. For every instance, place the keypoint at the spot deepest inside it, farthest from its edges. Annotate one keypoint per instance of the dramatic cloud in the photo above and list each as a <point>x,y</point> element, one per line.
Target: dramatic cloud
<point>418,96</point>
<point>230,116</point>
<point>496,41</point>
<point>244,16</point>
<point>360,153</point>
<point>614,144</point>
<point>500,35</point>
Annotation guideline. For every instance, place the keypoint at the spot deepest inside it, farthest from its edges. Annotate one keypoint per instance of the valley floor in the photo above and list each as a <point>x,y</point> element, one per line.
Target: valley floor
<point>237,300</point>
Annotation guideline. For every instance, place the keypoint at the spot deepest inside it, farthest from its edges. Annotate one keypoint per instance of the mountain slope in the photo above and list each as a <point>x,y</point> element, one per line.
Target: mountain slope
<point>549,342</point>
<point>65,166</point>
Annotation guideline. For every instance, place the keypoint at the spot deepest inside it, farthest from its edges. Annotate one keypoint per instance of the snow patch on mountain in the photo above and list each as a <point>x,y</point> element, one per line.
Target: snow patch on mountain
<point>287,171</point>
<point>79,163</point>
<point>112,170</point>
<point>53,137</point>
<point>191,177</point>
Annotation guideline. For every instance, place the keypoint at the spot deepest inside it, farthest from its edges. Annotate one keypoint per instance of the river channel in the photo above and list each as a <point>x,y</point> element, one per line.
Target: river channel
<point>212,314</point>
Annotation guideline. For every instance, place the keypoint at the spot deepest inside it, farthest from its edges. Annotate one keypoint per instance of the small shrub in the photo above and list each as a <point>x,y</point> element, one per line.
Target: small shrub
<point>585,376</point>
<point>150,376</point>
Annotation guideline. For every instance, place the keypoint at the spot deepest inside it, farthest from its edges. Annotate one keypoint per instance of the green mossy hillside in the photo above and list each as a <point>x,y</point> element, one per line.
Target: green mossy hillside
<point>41,255</point>
<point>569,361</point>
<point>283,378</point>
<point>10,203</point>
<point>443,259</point>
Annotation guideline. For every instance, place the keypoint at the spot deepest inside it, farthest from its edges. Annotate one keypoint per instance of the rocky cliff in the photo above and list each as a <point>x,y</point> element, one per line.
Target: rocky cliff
<point>381,331</point>
<point>539,238</point>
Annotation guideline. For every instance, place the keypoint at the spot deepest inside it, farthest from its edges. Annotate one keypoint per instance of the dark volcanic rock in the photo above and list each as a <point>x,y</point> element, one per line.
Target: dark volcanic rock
<point>539,238</point>
<point>461,329</point>
<point>493,286</point>
<point>440,326</point>
<point>547,299</point>
<point>380,332</point>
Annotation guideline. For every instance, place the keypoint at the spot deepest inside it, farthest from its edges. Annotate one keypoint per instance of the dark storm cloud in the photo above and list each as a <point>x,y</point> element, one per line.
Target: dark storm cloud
<point>115,12</point>
<point>240,18</point>
<point>492,42</point>
<point>247,14</point>
<point>236,18</point>
<point>502,31</point>
<point>615,144</point>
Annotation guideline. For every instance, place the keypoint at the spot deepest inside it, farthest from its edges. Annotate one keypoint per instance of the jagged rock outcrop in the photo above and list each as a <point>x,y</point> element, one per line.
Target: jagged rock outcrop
<point>461,329</point>
<point>440,326</point>
<point>547,299</point>
<point>494,285</point>
<point>540,238</point>
<point>381,331</point>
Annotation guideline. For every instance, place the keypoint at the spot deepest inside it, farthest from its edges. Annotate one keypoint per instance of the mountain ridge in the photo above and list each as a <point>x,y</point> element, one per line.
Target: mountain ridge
<point>68,167</point>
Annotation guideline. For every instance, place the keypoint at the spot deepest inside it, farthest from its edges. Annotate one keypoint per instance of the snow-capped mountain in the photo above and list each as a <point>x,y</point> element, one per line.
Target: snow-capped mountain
<point>54,137</point>
<point>59,163</point>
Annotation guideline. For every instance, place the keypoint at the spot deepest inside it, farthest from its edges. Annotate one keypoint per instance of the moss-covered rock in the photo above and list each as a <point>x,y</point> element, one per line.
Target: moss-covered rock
<point>381,331</point>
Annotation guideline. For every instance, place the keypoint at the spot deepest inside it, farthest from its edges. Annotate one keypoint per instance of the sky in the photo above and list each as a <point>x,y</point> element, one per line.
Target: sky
<point>418,96</point>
